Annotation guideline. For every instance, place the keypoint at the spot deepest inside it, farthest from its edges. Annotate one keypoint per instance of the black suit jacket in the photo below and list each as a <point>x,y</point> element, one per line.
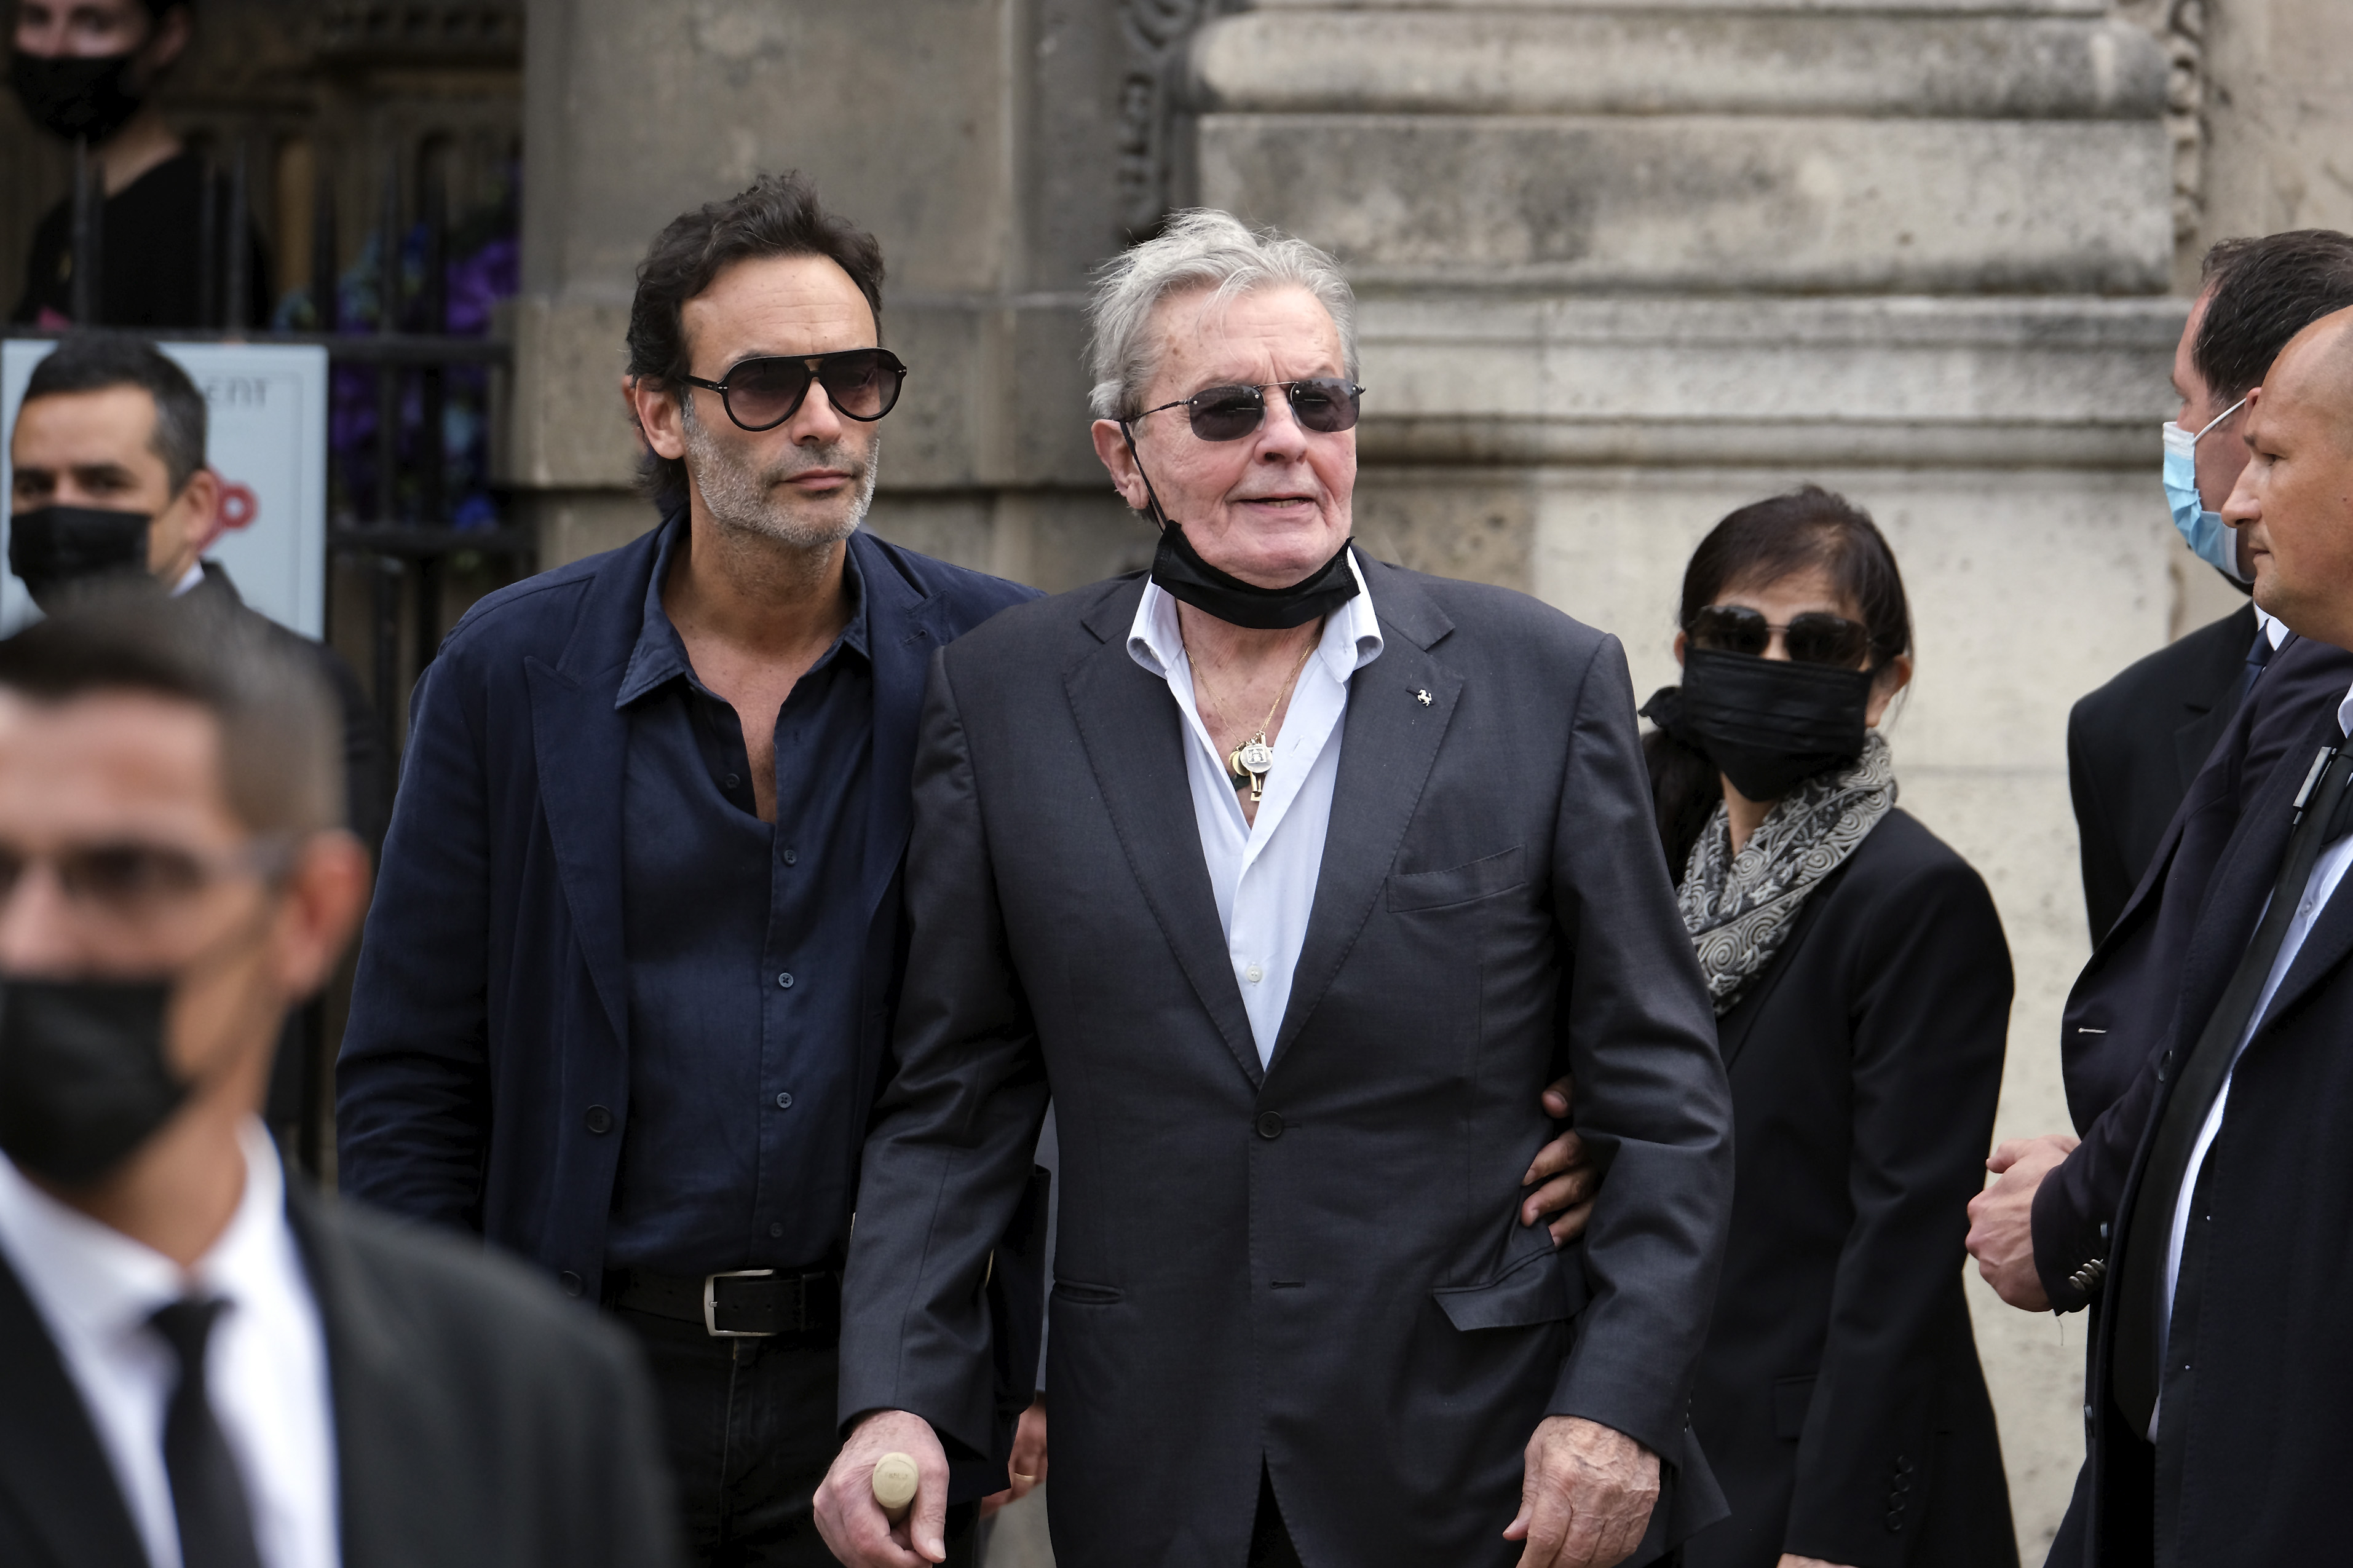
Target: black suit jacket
<point>1315,1265</point>
<point>479,1419</point>
<point>1839,1398</point>
<point>2121,1010</point>
<point>2134,745</point>
<point>2254,1442</point>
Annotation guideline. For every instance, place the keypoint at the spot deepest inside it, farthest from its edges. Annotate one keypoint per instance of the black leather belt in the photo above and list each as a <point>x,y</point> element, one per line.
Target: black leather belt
<point>747,1304</point>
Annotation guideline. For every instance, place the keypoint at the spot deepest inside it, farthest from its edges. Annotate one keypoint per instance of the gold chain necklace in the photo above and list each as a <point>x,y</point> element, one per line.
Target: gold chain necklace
<point>1248,765</point>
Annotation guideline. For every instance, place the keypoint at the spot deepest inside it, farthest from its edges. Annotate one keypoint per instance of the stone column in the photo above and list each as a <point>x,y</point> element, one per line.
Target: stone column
<point>1625,268</point>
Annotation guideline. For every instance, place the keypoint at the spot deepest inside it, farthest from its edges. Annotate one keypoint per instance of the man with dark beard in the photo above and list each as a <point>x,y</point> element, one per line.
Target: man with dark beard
<point>624,990</point>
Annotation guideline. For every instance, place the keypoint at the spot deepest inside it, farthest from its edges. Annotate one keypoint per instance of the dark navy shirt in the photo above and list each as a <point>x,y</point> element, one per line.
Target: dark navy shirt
<point>744,944</point>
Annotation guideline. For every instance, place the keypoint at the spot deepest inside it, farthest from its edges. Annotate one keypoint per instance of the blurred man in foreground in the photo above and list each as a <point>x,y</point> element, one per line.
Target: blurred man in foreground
<point>203,1364</point>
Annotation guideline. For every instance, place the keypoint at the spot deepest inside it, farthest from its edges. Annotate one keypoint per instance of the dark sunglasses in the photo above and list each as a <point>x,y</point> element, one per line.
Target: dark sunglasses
<point>1325,404</point>
<point>762,394</point>
<point>1815,638</point>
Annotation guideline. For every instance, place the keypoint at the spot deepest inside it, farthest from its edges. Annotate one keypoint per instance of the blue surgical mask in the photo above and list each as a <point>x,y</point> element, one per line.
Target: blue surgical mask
<point>2208,536</point>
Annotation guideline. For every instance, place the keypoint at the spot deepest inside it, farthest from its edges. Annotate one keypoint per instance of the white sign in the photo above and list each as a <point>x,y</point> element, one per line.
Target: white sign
<point>269,444</point>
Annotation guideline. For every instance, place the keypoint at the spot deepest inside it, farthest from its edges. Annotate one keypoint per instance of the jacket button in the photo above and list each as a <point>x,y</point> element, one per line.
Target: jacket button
<point>1270,1125</point>
<point>599,1119</point>
<point>570,1281</point>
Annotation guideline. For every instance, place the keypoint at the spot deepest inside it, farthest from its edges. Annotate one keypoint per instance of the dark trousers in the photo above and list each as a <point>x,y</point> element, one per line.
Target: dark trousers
<point>749,1429</point>
<point>1271,1544</point>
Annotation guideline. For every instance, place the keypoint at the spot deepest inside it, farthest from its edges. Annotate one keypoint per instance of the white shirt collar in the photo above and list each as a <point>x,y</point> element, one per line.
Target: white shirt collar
<point>92,1281</point>
<point>188,579</point>
<point>2344,715</point>
<point>2272,626</point>
<point>1351,640</point>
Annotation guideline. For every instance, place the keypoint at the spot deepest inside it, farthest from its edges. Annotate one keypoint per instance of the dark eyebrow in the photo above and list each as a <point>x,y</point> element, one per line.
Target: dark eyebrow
<point>94,474</point>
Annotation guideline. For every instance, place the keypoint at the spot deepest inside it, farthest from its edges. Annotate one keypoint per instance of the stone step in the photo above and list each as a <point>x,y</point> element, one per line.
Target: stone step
<point>1671,60</point>
<point>1708,203</point>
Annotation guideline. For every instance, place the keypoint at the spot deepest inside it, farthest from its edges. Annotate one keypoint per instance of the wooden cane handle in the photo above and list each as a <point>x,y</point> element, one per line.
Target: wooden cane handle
<point>894,1484</point>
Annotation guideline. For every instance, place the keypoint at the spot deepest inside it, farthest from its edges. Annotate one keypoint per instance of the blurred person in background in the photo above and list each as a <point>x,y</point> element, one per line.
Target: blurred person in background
<point>201,1363</point>
<point>89,70</point>
<point>108,479</point>
<point>1862,988</point>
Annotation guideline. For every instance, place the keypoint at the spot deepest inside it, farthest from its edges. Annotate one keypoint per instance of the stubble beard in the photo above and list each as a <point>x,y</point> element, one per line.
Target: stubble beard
<point>741,498</point>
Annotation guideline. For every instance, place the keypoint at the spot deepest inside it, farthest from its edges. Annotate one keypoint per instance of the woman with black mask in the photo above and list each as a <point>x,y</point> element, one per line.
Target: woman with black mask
<point>88,71</point>
<point>1862,991</point>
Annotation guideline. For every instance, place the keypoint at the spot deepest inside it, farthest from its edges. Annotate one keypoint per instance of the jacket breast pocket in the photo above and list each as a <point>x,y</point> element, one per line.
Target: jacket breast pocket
<point>1457,884</point>
<point>1545,1289</point>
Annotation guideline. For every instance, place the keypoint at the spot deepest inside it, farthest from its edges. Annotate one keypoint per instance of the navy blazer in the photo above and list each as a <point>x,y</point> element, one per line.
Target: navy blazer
<point>484,1080</point>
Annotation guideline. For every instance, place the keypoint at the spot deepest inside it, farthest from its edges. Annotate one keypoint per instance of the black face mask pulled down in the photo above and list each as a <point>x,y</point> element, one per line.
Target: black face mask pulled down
<point>75,96</point>
<point>83,1078</point>
<point>54,547</point>
<point>1768,725</point>
<point>1182,574</point>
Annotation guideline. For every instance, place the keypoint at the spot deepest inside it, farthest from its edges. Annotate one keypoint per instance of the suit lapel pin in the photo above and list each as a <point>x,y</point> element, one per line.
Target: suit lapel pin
<point>1421,696</point>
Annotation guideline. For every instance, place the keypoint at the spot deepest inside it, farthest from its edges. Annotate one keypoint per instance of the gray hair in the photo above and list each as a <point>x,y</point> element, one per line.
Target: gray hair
<point>1199,248</point>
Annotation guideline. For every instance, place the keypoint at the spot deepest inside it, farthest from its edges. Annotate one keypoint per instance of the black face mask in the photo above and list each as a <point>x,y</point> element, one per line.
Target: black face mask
<point>1181,573</point>
<point>52,547</point>
<point>83,1078</point>
<point>75,96</point>
<point>1768,724</point>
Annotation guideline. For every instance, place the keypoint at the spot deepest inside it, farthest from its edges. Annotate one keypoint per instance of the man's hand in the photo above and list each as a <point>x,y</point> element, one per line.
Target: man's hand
<point>2001,1218</point>
<point>1586,1498</point>
<point>853,1523</point>
<point>1791,1560</point>
<point>1568,1175</point>
<point>1027,1465</point>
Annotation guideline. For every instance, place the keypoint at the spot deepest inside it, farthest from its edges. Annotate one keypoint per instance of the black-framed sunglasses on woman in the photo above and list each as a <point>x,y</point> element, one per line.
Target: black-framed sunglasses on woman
<point>1325,404</point>
<point>762,394</point>
<point>1814,637</point>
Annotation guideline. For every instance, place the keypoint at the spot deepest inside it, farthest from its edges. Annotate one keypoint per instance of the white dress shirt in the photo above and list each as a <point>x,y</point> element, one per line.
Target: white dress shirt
<point>2327,870</point>
<point>1264,872</point>
<point>196,575</point>
<point>266,1365</point>
<point>2270,626</point>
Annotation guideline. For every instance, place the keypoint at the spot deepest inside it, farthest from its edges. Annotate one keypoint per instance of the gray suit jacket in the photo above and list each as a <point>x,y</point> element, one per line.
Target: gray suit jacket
<point>1316,1266</point>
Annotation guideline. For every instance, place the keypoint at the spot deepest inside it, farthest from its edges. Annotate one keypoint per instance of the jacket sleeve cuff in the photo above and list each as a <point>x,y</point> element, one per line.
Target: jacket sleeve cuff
<point>2071,1252</point>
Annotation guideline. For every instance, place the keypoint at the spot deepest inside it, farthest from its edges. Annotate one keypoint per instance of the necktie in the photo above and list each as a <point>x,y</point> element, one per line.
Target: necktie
<point>2324,809</point>
<point>2258,656</point>
<point>207,1496</point>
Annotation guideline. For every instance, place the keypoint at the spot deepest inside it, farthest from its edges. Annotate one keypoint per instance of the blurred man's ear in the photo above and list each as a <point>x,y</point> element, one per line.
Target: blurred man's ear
<point>201,500</point>
<point>169,41</point>
<point>326,895</point>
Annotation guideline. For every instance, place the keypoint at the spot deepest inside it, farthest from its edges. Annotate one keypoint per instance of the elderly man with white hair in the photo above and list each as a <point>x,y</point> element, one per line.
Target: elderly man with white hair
<point>1291,878</point>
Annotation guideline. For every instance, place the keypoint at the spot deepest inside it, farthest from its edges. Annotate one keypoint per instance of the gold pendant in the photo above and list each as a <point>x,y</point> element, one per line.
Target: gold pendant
<point>1252,760</point>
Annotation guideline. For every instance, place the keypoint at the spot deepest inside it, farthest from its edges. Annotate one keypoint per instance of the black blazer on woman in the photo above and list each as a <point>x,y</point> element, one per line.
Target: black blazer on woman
<point>1838,1396</point>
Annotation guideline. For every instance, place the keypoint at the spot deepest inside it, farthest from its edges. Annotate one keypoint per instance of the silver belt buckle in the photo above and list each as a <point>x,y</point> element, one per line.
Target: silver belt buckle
<point>711,1304</point>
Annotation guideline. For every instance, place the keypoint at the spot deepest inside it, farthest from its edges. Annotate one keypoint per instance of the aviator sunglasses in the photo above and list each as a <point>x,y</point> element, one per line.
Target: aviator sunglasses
<point>1325,404</point>
<point>1815,638</point>
<point>762,394</point>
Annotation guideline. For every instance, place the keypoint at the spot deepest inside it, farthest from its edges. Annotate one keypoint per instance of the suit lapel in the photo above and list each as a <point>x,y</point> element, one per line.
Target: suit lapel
<point>1133,731</point>
<point>903,628</point>
<point>54,1475</point>
<point>372,1378</point>
<point>2241,881</point>
<point>1388,743</point>
<point>581,745</point>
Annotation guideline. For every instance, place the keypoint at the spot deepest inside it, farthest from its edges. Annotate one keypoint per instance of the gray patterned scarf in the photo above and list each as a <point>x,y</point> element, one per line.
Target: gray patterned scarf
<point>1740,908</point>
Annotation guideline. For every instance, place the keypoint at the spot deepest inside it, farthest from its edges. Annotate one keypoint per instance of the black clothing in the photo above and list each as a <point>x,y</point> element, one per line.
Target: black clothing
<point>480,1420</point>
<point>2121,1010</point>
<point>743,975</point>
<point>2134,744</point>
<point>1840,1397</point>
<point>298,1076</point>
<point>151,237</point>
<point>2253,1441</point>
<point>750,1433</point>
